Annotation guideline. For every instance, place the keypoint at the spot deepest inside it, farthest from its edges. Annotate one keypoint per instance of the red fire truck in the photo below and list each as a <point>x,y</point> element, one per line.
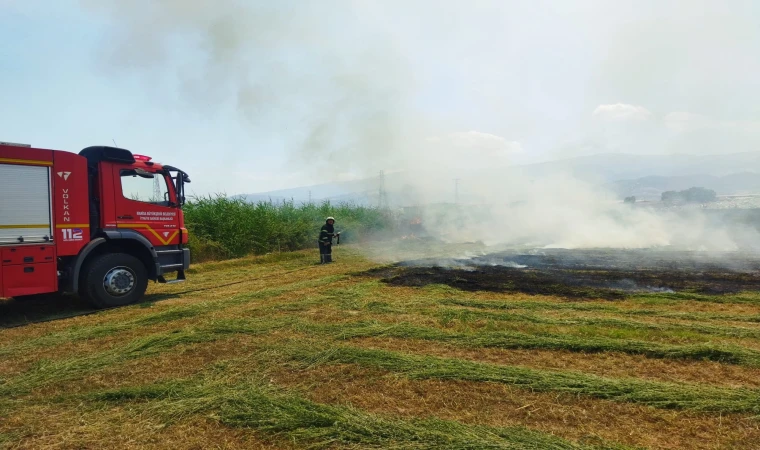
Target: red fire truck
<point>101,223</point>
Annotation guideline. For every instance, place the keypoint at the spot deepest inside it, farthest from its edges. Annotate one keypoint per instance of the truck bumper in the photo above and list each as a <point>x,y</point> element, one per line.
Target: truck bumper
<point>173,260</point>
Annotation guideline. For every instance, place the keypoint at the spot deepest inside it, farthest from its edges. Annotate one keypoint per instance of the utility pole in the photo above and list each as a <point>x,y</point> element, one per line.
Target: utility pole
<point>456,191</point>
<point>157,194</point>
<point>310,197</point>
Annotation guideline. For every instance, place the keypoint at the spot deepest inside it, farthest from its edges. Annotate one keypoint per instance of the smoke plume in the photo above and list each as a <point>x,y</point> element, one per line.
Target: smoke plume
<point>358,86</point>
<point>321,77</point>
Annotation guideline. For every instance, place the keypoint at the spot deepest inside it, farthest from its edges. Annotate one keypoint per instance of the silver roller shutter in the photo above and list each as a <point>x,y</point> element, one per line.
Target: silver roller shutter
<point>24,204</point>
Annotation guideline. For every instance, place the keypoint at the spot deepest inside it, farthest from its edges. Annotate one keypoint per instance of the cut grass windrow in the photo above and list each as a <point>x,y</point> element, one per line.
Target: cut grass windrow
<point>306,423</point>
<point>516,340</point>
<point>99,331</point>
<point>469,316</point>
<point>168,315</point>
<point>52,371</point>
<point>738,298</point>
<point>55,371</point>
<point>656,394</point>
<point>598,307</point>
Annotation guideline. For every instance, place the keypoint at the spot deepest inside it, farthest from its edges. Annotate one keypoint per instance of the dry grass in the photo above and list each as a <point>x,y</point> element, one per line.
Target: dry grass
<point>234,322</point>
<point>498,405</point>
<point>182,362</point>
<point>615,365</point>
<point>66,427</point>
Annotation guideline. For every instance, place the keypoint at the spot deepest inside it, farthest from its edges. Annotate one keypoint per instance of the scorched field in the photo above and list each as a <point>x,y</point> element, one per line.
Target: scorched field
<point>546,350</point>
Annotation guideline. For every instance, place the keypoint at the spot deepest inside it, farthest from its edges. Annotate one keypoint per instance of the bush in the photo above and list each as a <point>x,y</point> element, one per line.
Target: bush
<point>699,195</point>
<point>691,195</point>
<point>222,227</point>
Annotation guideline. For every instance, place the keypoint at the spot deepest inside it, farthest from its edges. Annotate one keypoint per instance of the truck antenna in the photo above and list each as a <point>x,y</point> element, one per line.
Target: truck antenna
<point>114,143</point>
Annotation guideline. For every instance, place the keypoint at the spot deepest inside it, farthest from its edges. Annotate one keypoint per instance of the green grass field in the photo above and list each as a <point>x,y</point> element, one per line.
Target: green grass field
<point>276,351</point>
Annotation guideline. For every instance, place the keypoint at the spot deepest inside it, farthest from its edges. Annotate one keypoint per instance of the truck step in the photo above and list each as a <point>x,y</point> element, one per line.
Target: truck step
<point>180,278</point>
<point>169,252</point>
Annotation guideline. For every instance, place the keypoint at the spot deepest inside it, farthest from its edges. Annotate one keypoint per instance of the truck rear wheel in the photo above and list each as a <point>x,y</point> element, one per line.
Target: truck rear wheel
<point>113,279</point>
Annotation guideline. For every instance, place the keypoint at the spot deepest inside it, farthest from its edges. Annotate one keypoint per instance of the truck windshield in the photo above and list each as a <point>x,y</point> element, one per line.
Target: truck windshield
<point>179,179</point>
<point>144,187</point>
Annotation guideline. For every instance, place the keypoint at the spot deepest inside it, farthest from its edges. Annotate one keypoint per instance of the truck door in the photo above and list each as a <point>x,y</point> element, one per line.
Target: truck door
<point>146,203</point>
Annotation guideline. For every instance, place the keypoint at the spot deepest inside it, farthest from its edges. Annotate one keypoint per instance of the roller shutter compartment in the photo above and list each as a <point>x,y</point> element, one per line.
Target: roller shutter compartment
<point>25,210</point>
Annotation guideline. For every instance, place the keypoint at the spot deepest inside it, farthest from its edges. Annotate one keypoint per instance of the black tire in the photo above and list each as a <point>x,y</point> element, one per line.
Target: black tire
<point>113,279</point>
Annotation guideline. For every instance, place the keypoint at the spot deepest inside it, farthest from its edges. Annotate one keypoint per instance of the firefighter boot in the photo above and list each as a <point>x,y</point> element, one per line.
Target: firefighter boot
<point>322,258</point>
<point>328,258</point>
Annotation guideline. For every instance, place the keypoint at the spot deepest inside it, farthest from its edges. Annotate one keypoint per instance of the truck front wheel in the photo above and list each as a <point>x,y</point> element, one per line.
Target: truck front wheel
<point>113,279</point>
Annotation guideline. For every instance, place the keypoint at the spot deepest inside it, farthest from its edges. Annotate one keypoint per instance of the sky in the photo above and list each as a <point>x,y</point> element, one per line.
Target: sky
<point>253,96</point>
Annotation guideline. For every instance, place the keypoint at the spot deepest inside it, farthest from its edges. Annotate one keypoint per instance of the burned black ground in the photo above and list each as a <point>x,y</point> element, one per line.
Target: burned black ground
<point>608,274</point>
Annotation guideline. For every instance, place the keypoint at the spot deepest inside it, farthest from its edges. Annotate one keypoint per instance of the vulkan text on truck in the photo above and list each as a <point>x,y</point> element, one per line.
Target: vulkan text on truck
<point>101,223</point>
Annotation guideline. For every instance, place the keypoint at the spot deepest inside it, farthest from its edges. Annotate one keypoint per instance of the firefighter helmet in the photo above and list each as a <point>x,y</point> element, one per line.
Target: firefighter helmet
<point>331,218</point>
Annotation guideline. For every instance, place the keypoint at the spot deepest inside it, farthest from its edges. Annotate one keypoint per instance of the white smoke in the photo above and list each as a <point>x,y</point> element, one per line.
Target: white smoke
<point>338,83</point>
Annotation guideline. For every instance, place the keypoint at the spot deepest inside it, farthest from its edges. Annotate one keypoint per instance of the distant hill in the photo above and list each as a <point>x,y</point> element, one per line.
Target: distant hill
<point>644,176</point>
<point>358,192</point>
<point>614,166</point>
<point>648,188</point>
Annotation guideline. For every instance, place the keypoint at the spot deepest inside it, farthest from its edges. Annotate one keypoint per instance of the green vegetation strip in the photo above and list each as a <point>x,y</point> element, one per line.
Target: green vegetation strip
<point>739,298</point>
<point>515,340</point>
<point>448,315</point>
<point>224,227</point>
<point>595,306</point>
<point>306,423</point>
<point>655,394</point>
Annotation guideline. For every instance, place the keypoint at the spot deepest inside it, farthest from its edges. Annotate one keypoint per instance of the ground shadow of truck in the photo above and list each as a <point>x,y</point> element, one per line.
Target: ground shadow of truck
<point>47,308</point>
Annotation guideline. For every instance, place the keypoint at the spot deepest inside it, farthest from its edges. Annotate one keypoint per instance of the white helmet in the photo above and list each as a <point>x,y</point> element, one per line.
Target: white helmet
<point>330,218</point>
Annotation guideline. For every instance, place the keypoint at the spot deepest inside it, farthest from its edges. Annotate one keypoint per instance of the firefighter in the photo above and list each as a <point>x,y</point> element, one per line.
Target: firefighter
<point>326,235</point>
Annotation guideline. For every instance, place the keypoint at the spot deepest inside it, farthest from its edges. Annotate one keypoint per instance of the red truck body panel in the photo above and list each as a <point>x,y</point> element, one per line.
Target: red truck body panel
<point>26,156</point>
<point>71,212</point>
<point>159,224</point>
<point>28,268</point>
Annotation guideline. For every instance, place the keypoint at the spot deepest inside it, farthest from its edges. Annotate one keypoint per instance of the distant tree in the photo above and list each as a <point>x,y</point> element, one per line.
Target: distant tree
<point>670,196</point>
<point>699,195</point>
<point>630,199</point>
<point>691,195</point>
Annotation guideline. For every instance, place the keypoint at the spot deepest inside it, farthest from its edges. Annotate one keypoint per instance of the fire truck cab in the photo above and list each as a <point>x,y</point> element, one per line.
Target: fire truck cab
<point>101,223</point>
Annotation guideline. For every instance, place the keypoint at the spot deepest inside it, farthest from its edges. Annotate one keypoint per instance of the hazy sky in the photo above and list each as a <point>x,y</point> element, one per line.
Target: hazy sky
<point>249,96</point>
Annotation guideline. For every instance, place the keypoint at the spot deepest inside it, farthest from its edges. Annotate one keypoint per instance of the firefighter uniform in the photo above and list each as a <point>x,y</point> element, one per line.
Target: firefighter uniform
<point>326,235</point>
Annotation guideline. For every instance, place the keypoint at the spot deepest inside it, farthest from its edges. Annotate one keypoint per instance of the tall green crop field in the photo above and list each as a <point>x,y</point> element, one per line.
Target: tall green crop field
<point>222,227</point>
